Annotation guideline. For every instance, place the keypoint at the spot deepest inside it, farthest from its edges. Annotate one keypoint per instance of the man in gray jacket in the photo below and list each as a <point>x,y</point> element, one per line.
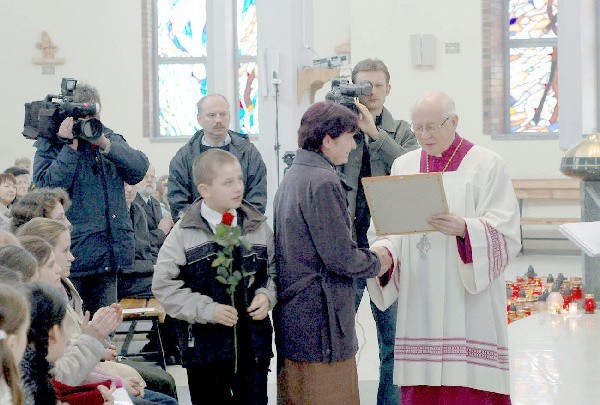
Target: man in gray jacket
<point>214,117</point>
<point>379,141</point>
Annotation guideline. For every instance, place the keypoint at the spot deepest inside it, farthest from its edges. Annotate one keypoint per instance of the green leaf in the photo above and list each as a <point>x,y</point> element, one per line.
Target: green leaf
<point>232,281</point>
<point>221,279</point>
<point>222,271</point>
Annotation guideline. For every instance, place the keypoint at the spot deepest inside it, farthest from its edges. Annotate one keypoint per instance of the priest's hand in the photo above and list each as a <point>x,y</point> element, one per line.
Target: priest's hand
<point>448,224</point>
<point>225,315</point>
<point>385,259</point>
<point>259,308</point>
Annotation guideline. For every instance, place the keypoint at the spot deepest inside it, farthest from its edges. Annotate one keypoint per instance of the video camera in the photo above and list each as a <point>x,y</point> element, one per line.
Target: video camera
<point>43,118</point>
<point>343,92</point>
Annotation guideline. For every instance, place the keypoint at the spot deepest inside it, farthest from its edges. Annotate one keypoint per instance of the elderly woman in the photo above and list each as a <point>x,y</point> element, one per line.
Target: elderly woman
<point>317,262</point>
<point>8,192</point>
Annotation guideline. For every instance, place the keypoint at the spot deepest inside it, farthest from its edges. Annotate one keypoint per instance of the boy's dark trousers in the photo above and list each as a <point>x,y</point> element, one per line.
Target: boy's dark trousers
<point>216,383</point>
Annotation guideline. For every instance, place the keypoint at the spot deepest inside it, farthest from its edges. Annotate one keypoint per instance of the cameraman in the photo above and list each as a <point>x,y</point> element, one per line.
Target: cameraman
<point>381,139</point>
<point>93,173</point>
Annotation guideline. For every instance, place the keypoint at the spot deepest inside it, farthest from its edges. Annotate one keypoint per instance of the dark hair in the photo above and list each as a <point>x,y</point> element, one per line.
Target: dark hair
<point>48,308</point>
<point>324,118</point>
<point>20,260</point>
<point>209,163</point>
<point>4,177</point>
<point>371,65</point>
<point>38,203</point>
<point>16,171</point>
<point>14,311</point>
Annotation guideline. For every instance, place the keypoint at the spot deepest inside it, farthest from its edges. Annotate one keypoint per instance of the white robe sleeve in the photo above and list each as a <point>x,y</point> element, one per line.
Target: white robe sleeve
<point>494,232</point>
<point>384,296</point>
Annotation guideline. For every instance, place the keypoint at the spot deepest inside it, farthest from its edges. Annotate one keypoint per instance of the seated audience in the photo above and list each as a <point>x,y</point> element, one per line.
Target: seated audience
<point>14,323</point>
<point>88,339</point>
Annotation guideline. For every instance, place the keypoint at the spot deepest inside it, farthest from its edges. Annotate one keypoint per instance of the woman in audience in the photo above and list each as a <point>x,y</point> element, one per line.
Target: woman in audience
<point>42,202</point>
<point>48,270</point>
<point>14,323</point>
<point>8,192</point>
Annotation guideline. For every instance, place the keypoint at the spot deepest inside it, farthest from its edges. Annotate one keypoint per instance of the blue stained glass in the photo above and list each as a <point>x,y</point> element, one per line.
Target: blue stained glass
<point>180,86</point>
<point>181,30</point>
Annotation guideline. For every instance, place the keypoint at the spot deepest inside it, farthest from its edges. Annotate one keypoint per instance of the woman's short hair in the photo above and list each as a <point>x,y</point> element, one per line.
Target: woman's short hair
<point>325,118</point>
<point>39,202</point>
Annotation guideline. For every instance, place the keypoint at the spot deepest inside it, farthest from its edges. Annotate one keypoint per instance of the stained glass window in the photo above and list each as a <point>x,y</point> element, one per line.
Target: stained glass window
<point>180,86</point>
<point>181,71</point>
<point>181,28</point>
<point>247,46</point>
<point>532,66</point>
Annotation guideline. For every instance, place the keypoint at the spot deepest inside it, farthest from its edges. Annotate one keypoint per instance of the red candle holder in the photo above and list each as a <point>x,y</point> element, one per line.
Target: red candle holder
<point>590,304</point>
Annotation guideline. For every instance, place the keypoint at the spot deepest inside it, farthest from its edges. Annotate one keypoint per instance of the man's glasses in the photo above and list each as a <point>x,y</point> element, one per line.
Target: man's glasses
<point>429,127</point>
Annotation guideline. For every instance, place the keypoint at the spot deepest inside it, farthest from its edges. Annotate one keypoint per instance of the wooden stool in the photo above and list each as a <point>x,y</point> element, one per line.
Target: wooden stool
<point>156,316</point>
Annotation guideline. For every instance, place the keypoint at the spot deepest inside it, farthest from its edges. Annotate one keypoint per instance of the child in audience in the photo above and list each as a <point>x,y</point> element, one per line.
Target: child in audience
<point>48,270</point>
<point>20,260</point>
<point>220,368</point>
<point>46,343</point>
<point>14,323</point>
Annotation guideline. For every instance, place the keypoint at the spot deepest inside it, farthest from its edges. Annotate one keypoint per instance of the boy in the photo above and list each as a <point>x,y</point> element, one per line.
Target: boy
<point>185,284</point>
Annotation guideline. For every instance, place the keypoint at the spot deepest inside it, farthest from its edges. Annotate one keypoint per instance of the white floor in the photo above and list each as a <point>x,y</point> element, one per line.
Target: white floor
<point>367,357</point>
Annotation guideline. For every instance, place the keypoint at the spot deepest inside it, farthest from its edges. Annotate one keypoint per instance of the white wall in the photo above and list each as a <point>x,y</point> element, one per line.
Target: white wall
<point>382,30</point>
<point>101,41</point>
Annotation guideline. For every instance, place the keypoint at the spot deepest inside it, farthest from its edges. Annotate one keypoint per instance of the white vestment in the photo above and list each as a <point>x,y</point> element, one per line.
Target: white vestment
<point>451,328</point>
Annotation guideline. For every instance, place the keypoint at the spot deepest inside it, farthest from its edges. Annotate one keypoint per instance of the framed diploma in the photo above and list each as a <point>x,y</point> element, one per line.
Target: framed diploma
<point>403,204</point>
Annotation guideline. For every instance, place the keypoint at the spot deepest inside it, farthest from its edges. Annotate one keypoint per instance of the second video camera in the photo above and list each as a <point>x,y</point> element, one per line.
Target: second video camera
<point>343,92</point>
<point>43,118</point>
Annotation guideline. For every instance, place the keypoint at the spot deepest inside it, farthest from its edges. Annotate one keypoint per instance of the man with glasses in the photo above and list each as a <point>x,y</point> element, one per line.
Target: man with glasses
<point>451,331</point>
<point>381,139</point>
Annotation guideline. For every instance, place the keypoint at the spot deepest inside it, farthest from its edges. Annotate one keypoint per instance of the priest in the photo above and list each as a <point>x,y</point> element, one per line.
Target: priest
<point>451,333</point>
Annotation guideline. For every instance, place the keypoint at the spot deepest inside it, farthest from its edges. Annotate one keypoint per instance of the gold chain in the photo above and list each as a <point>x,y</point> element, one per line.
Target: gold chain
<point>451,157</point>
